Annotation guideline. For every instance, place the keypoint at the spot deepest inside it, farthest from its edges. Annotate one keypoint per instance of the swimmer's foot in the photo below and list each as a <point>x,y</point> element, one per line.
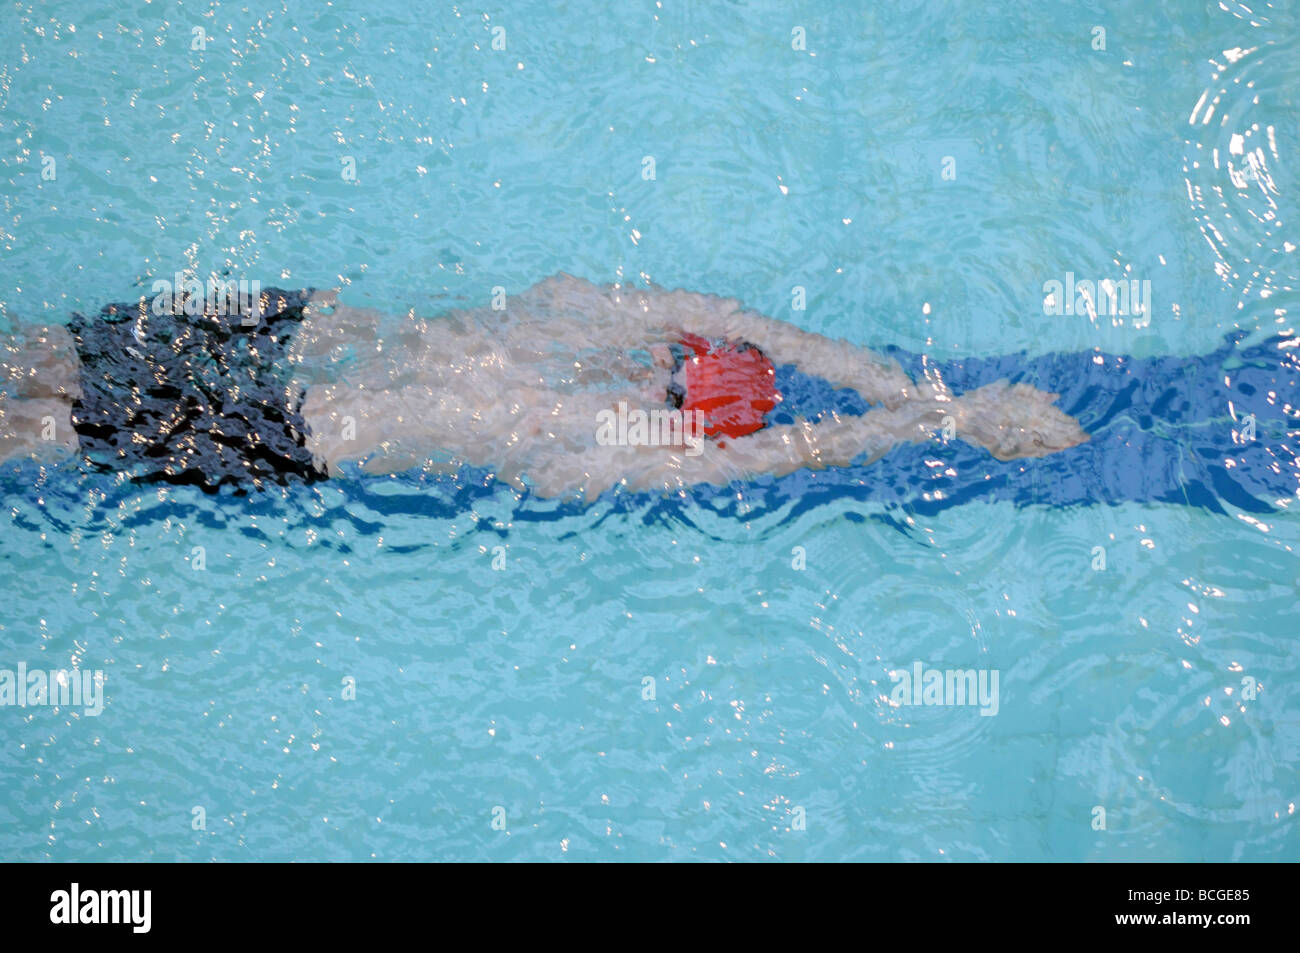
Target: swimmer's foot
<point>1012,421</point>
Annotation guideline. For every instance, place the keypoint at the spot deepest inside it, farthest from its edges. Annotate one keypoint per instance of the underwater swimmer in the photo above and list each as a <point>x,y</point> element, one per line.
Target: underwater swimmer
<point>526,392</point>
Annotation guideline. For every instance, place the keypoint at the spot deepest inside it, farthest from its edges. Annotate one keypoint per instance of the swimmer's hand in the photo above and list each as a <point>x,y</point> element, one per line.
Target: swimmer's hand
<point>1012,421</point>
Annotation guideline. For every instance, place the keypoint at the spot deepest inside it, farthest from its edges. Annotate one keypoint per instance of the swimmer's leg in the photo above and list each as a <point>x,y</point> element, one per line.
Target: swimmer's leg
<point>40,362</point>
<point>39,379</point>
<point>40,427</point>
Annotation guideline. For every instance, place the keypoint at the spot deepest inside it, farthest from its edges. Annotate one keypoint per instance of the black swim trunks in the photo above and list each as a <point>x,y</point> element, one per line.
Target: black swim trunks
<point>201,399</point>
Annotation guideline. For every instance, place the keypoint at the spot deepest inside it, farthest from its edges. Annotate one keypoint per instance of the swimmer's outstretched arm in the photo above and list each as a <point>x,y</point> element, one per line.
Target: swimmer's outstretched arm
<point>630,318</point>
<point>1010,421</point>
<point>876,377</point>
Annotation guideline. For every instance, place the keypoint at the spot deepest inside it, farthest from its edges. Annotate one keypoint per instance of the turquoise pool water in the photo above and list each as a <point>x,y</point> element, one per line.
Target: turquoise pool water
<point>504,713</point>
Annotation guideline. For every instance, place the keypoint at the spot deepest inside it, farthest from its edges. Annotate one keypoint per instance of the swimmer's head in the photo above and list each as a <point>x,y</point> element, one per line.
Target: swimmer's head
<point>732,385</point>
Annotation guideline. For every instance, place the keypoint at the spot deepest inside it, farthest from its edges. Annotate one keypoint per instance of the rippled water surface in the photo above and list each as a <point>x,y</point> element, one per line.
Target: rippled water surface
<point>651,678</point>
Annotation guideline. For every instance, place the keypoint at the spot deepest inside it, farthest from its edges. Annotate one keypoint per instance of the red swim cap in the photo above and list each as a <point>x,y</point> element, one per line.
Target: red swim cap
<point>732,385</point>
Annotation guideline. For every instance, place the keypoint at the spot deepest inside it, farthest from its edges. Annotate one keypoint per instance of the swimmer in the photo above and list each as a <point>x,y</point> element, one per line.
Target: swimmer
<point>314,385</point>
